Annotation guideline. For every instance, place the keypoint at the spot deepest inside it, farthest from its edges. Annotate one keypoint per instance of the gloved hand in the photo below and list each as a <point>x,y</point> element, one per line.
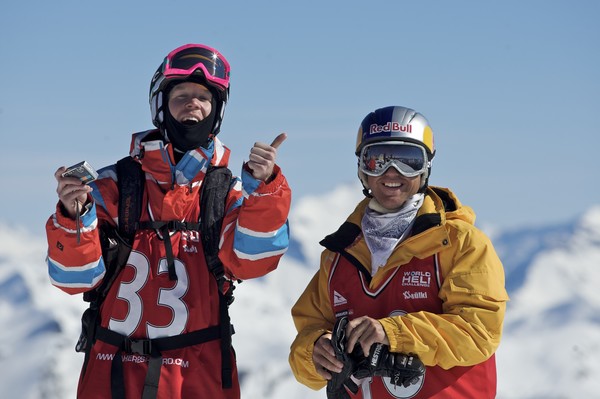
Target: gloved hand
<point>335,386</point>
<point>403,369</point>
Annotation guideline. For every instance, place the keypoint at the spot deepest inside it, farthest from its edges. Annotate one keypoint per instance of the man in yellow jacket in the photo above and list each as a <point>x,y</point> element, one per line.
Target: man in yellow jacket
<point>410,271</point>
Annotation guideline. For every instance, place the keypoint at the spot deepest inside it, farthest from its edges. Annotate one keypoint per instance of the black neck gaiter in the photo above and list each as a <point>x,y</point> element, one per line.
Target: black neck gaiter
<point>188,137</point>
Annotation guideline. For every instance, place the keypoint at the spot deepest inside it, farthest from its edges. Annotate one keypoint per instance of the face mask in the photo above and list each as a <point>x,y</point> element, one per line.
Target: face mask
<point>188,137</point>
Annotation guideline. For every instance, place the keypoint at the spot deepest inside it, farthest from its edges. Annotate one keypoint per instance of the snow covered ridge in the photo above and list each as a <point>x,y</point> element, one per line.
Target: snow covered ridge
<point>552,332</point>
<point>550,348</point>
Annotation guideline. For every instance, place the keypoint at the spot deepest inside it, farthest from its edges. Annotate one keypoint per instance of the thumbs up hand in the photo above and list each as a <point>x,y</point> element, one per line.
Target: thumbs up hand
<point>262,158</point>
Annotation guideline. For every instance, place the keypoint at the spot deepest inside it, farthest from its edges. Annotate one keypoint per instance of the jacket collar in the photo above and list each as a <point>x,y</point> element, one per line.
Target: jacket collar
<point>429,234</point>
<point>157,158</point>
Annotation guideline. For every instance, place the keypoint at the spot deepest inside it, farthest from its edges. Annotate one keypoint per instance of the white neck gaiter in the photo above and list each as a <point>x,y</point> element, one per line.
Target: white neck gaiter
<point>383,231</point>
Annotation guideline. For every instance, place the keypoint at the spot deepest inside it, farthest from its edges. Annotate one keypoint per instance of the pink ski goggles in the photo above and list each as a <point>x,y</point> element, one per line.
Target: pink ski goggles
<point>185,60</point>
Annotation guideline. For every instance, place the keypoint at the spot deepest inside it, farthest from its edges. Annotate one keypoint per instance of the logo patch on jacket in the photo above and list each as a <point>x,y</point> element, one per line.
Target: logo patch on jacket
<point>338,299</point>
<point>416,278</point>
<point>414,295</point>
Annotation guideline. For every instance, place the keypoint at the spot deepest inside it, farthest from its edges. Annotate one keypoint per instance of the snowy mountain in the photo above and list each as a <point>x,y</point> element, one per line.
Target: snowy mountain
<point>550,349</point>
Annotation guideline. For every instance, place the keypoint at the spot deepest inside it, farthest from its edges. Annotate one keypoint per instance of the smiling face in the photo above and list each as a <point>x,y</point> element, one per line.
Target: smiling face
<point>391,189</point>
<point>190,102</point>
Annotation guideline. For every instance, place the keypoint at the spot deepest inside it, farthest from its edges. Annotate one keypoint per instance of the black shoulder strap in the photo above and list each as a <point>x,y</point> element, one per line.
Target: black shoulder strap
<point>215,187</point>
<point>130,180</point>
<point>116,246</point>
<point>212,210</point>
<point>116,243</point>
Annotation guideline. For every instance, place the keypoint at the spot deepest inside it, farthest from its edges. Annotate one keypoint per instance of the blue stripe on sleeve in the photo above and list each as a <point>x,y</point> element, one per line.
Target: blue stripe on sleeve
<point>249,183</point>
<point>104,173</point>
<point>253,245</point>
<point>76,278</point>
<point>236,204</point>
<point>90,217</point>
<point>98,199</point>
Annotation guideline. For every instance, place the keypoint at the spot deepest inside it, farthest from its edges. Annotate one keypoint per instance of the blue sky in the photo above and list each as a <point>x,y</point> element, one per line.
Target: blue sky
<point>510,88</point>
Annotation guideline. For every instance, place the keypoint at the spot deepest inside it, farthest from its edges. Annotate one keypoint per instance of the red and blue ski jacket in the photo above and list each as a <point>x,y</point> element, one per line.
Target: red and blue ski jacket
<point>143,302</point>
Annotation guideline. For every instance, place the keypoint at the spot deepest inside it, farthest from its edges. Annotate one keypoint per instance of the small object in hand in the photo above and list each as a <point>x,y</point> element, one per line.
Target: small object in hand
<point>403,369</point>
<point>336,385</point>
<point>83,171</point>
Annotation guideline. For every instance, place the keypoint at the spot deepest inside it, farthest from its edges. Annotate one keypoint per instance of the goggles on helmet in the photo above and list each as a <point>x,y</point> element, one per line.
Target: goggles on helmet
<point>185,60</point>
<point>407,158</point>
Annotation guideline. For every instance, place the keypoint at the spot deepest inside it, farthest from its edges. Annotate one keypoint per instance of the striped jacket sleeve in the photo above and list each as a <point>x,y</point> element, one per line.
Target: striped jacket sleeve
<point>255,232</point>
<point>78,267</point>
<point>73,266</point>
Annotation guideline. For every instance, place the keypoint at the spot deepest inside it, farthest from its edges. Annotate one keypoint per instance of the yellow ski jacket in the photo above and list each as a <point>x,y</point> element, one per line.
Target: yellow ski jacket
<point>473,298</point>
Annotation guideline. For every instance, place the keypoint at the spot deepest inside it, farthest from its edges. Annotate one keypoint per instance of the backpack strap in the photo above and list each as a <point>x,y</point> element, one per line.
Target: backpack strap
<point>131,180</point>
<point>116,246</point>
<point>212,209</point>
<point>116,243</point>
<point>153,349</point>
<point>165,229</point>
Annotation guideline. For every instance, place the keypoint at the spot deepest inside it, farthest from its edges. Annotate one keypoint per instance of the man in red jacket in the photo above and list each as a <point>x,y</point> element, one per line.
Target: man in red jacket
<point>164,303</point>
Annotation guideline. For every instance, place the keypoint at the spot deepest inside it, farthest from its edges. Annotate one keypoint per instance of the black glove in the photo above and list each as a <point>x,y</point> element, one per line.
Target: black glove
<point>403,369</point>
<point>335,386</point>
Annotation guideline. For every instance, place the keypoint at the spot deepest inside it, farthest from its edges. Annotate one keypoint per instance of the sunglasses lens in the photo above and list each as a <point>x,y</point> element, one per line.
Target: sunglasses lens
<point>409,160</point>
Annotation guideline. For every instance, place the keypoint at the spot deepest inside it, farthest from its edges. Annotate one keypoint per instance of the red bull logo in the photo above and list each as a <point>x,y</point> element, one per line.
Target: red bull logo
<point>390,127</point>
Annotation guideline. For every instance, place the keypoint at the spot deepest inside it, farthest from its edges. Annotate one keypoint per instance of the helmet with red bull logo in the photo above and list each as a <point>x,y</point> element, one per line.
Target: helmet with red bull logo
<point>391,125</point>
<point>395,123</point>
